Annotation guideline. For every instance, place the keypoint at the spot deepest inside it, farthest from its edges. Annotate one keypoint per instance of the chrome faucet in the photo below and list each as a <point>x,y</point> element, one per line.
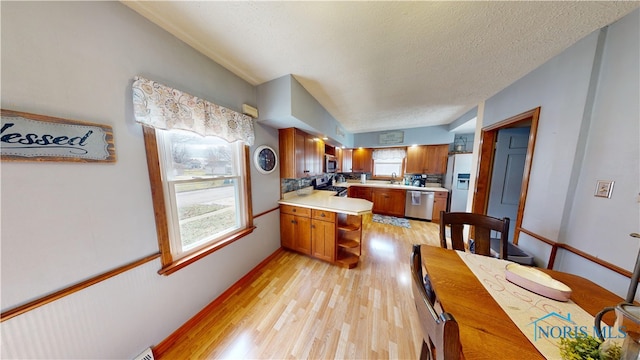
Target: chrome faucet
<point>393,177</point>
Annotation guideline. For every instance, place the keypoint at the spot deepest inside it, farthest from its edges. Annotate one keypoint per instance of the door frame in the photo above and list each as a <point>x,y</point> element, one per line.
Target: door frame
<point>486,156</point>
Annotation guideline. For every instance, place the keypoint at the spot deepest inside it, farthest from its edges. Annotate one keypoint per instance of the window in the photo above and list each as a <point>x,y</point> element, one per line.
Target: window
<point>387,162</point>
<point>197,155</point>
<point>387,167</point>
<point>204,188</point>
<point>200,194</point>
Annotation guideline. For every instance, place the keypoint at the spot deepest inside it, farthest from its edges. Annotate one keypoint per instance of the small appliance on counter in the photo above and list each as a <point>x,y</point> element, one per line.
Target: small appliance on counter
<point>418,180</point>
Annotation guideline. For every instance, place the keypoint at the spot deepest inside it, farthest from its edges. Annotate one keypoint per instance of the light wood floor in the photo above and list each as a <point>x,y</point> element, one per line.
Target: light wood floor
<point>301,308</point>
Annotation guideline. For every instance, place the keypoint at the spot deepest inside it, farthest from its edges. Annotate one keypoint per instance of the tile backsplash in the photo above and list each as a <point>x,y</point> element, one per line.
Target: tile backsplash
<point>289,185</point>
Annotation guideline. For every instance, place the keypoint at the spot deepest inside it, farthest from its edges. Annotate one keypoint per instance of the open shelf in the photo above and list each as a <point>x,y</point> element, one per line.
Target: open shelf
<point>348,227</point>
<point>347,259</point>
<point>348,244</point>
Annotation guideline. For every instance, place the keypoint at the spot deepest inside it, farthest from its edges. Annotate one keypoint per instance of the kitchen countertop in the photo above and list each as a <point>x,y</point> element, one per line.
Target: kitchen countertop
<point>325,200</point>
<point>386,184</point>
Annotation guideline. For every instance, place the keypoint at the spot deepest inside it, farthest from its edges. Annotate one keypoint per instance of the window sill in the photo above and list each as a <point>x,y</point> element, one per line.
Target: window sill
<point>191,258</point>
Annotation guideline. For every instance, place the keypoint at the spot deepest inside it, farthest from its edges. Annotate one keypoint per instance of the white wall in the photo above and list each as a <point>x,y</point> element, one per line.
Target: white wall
<point>63,223</point>
<point>600,133</point>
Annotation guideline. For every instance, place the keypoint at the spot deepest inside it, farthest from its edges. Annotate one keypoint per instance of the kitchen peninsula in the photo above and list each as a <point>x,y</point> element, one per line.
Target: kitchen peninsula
<point>323,226</point>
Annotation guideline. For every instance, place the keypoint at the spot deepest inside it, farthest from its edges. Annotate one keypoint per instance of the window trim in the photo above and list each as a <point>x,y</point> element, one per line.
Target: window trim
<point>169,265</point>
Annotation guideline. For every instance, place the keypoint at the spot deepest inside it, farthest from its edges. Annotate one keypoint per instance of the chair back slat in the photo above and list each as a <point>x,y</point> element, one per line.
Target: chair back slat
<point>482,226</point>
<point>441,335</point>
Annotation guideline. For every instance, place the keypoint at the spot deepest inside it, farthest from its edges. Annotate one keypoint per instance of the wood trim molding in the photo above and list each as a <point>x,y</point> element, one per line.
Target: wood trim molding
<point>534,115</point>
<point>165,344</point>
<point>266,212</point>
<point>157,195</point>
<point>488,139</point>
<point>19,310</point>
<point>536,236</point>
<point>556,245</point>
<point>191,258</point>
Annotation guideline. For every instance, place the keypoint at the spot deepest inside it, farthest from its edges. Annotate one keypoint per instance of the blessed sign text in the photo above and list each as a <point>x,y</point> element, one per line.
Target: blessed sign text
<point>25,136</point>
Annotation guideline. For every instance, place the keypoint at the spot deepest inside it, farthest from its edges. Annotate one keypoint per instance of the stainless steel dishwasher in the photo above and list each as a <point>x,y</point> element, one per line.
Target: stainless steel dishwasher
<point>419,204</point>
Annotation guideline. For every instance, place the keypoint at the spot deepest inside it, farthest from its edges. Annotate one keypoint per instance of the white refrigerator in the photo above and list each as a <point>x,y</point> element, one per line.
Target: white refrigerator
<point>457,181</point>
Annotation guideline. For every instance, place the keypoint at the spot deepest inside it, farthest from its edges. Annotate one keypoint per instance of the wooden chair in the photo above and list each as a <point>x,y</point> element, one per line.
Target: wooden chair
<point>482,226</point>
<point>441,337</point>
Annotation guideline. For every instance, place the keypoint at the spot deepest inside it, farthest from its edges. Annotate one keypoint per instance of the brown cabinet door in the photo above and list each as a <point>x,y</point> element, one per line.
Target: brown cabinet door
<point>339,159</point>
<point>323,239</point>
<point>302,240</point>
<point>347,160</point>
<point>295,228</point>
<point>360,192</point>
<point>287,230</point>
<point>427,159</point>
<point>415,159</point>
<point>439,204</point>
<point>300,158</point>
<point>388,202</point>
<point>362,160</point>
<point>436,159</point>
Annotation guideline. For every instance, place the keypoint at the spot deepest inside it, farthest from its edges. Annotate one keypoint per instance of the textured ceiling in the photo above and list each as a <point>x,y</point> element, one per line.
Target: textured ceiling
<point>385,65</point>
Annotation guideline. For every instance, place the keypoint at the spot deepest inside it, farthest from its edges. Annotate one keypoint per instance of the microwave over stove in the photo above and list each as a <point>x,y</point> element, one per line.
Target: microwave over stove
<point>330,164</point>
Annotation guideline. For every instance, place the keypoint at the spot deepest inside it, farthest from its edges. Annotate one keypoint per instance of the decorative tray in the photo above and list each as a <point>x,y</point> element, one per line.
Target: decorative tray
<point>537,281</point>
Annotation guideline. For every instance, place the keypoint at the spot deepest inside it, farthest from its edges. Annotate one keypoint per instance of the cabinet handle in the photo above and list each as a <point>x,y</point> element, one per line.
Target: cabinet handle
<point>322,215</point>
<point>294,210</point>
<point>294,222</point>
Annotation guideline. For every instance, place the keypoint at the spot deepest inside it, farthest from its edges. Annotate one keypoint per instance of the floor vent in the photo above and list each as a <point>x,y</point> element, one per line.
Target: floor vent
<point>145,355</point>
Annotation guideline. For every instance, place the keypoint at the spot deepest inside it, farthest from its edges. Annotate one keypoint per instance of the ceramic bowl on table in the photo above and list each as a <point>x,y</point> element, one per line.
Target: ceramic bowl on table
<point>537,281</point>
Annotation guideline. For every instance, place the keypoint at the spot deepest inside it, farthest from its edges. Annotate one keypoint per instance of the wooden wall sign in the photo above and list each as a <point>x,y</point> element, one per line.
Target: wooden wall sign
<point>391,137</point>
<point>31,137</point>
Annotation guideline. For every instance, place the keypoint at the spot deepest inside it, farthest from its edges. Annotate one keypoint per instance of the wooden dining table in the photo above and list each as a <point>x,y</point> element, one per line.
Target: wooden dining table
<point>486,331</point>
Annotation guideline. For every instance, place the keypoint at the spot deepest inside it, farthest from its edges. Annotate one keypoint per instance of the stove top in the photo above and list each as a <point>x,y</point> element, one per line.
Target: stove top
<point>322,183</point>
<point>332,188</point>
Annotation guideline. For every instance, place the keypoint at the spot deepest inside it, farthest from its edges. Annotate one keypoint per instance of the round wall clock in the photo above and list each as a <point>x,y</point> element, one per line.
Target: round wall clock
<point>265,159</point>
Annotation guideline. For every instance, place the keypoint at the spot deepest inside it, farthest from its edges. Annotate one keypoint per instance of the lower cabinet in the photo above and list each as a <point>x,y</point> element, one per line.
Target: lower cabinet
<point>388,201</point>
<point>439,204</point>
<point>295,228</point>
<point>323,235</point>
<point>360,192</point>
<point>329,236</point>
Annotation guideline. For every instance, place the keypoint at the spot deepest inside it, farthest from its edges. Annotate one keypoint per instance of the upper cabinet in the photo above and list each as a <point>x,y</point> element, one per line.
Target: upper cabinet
<point>427,159</point>
<point>338,154</point>
<point>301,154</point>
<point>347,160</point>
<point>362,160</point>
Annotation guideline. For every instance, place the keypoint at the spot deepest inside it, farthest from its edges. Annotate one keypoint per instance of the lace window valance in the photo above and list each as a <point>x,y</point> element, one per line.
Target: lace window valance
<point>161,107</point>
<point>389,154</point>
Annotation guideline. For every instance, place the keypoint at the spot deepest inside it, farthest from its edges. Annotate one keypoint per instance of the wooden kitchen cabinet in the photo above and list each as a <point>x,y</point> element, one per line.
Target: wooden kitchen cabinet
<point>323,235</point>
<point>427,159</point>
<point>295,228</point>
<point>301,154</point>
<point>388,201</point>
<point>339,155</point>
<point>362,160</point>
<point>347,160</point>
<point>439,204</point>
<point>360,192</point>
